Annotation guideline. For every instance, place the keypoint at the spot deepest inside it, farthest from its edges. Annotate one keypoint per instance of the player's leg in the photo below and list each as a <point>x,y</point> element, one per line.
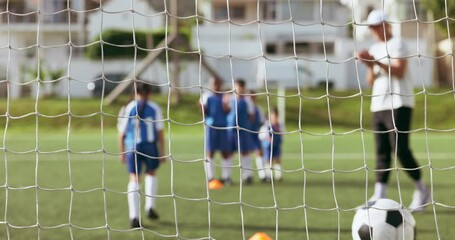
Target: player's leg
<point>210,166</point>
<point>421,194</point>
<point>259,157</point>
<point>227,165</point>
<point>247,173</point>
<point>228,150</point>
<point>382,122</point>
<point>403,121</point>
<point>151,179</point>
<point>267,154</point>
<point>151,190</point>
<point>276,159</point>
<point>134,169</point>
<point>211,143</point>
<point>246,147</point>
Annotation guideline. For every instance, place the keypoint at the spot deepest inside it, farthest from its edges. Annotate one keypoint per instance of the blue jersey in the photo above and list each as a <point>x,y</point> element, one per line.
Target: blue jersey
<point>258,119</point>
<point>143,130</point>
<point>241,108</point>
<point>214,111</point>
<point>273,137</point>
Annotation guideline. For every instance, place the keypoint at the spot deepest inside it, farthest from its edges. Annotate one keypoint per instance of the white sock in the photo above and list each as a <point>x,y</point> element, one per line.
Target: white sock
<point>133,200</point>
<point>277,170</point>
<point>246,165</point>
<point>151,188</point>
<point>268,171</point>
<point>260,167</point>
<point>380,190</point>
<point>227,165</point>
<point>419,185</point>
<point>210,168</point>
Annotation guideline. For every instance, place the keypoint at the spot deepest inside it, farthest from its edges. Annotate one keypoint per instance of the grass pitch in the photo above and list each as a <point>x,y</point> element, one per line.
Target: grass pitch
<point>54,193</point>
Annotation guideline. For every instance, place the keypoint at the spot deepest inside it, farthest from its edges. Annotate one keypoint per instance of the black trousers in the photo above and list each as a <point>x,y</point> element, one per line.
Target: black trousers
<point>388,125</point>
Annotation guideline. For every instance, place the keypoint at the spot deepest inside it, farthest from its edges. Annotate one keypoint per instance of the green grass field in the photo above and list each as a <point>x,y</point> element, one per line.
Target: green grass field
<point>80,194</point>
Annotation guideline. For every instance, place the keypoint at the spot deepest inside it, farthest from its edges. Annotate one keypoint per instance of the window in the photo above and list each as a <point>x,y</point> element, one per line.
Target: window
<point>270,48</point>
<point>329,48</point>
<point>301,11</point>
<point>236,12</point>
<point>304,48</point>
<point>220,13</point>
<point>300,48</point>
<point>268,10</point>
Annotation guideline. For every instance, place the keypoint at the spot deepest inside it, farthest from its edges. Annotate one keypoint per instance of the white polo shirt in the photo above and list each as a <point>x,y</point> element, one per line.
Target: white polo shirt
<point>389,92</point>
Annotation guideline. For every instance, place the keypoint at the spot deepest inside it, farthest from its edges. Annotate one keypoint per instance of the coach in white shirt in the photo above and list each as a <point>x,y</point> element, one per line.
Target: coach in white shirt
<point>391,104</point>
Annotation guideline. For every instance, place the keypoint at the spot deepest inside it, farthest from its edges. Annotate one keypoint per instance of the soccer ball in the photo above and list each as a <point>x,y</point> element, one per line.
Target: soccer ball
<point>383,219</point>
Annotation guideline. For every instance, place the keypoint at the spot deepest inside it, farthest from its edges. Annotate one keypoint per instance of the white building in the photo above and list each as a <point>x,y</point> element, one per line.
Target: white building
<point>258,42</point>
<point>23,29</point>
<point>260,38</point>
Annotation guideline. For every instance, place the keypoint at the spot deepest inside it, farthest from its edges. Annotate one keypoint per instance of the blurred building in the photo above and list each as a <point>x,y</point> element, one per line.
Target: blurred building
<point>261,40</point>
<point>286,43</point>
<point>23,28</point>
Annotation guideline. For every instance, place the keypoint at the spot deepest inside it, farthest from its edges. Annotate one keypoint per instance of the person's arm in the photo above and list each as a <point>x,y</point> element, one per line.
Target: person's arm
<point>370,75</point>
<point>203,101</point>
<point>366,58</point>
<point>264,132</point>
<point>226,102</point>
<point>160,131</point>
<point>250,109</point>
<point>397,67</point>
<point>161,145</point>
<point>122,122</point>
<point>121,146</point>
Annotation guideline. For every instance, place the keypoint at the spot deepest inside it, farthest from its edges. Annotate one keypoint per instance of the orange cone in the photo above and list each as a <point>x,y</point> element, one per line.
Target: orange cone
<point>215,184</point>
<point>260,236</point>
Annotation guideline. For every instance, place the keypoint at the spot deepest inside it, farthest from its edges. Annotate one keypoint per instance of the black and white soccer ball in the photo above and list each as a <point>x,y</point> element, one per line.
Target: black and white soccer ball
<point>383,219</point>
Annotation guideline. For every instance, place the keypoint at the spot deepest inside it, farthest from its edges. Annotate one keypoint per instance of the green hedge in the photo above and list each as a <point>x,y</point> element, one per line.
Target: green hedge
<point>122,37</point>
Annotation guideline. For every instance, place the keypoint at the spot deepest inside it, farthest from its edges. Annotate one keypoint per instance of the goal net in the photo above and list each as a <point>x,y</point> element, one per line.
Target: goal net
<point>69,66</point>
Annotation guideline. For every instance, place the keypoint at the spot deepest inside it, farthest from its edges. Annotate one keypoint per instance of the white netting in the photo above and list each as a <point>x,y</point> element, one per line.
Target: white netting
<point>300,55</point>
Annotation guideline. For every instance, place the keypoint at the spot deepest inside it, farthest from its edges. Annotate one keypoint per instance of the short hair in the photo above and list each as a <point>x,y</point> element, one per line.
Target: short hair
<point>275,111</point>
<point>215,80</point>
<point>143,89</point>
<point>240,82</point>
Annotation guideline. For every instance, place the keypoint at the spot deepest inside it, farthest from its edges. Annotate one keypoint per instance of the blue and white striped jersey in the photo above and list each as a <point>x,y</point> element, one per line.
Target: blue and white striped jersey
<point>143,129</point>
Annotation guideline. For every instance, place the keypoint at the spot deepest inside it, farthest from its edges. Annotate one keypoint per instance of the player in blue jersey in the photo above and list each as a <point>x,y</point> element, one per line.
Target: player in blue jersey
<point>216,107</point>
<point>240,119</point>
<point>272,139</point>
<point>259,120</point>
<point>141,143</point>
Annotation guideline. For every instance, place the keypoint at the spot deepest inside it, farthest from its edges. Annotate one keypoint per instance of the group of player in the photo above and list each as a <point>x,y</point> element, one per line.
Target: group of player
<point>234,123</point>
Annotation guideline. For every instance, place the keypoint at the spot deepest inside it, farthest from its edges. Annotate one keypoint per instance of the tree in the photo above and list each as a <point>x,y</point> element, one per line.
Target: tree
<point>438,8</point>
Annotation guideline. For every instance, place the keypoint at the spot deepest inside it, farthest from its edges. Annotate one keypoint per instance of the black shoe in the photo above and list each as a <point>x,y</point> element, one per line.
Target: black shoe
<point>248,181</point>
<point>266,180</point>
<point>152,214</point>
<point>227,182</point>
<point>135,223</point>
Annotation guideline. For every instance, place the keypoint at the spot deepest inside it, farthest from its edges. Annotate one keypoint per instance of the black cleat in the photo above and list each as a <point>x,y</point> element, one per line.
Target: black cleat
<point>135,223</point>
<point>266,180</point>
<point>152,214</point>
<point>248,181</point>
<point>227,182</point>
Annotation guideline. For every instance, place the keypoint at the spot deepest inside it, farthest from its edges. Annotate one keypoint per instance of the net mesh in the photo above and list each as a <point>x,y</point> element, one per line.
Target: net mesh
<point>44,188</point>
